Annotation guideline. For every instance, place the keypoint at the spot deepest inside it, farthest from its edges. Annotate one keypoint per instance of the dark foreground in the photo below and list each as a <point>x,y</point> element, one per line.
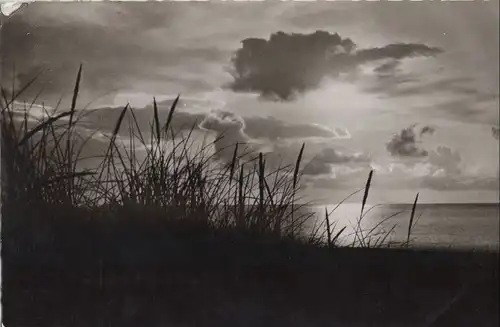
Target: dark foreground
<point>224,282</point>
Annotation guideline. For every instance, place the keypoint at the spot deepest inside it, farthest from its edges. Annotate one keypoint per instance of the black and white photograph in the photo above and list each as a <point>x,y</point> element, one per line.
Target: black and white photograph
<point>250,163</point>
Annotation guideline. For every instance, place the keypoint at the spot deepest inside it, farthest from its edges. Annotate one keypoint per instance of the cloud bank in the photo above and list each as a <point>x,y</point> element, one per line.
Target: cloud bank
<point>253,133</point>
<point>324,161</point>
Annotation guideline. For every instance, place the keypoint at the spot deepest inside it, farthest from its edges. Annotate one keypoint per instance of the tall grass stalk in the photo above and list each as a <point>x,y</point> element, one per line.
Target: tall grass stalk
<point>328,228</point>
<point>296,181</point>
<point>359,234</point>
<point>412,216</point>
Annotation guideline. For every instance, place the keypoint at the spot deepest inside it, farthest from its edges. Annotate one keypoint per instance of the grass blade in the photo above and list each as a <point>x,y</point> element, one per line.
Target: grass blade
<point>156,120</point>
<point>233,162</point>
<point>337,236</point>
<point>41,126</point>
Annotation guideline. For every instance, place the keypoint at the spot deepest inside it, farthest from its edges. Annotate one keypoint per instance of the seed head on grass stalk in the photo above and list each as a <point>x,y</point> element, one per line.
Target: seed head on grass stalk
<point>367,191</point>
<point>69,129</point>
<point>241,198</point>
<point>359,231</point>
<point>297,166</point>
<point>412,216</point>
<point>171,113</point>
<point>108,157</point>
<point>233,162</point>
<point>295,182</point>
<point>328,230</point>
<point>156,121</point>
<point>261,190</point>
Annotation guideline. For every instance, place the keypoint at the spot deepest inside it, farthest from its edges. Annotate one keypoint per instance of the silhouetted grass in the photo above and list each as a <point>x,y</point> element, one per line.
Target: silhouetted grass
<point>178,213</point>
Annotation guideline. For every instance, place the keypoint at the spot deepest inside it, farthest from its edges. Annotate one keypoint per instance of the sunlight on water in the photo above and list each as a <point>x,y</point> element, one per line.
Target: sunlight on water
<point>348,215</point>
<point>442,225</point>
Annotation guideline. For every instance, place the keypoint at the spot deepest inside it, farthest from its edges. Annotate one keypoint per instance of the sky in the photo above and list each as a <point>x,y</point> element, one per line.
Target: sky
<point>407,89</point>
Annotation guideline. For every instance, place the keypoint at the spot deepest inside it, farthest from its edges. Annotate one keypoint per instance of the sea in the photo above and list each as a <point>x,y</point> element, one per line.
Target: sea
<point>458,226</point>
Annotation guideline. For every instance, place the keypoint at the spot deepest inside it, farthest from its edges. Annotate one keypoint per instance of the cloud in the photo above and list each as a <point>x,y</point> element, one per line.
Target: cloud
<point>387,68</point>
<point>274,129</point>
<point>405,144</point>
<point>324,161</point>
<point>266,134</point>
<point>253,133</point>
<point>116,55</point>
<point>427,129</point>
<point>397,51</point>
<point>480,108</point>
<point>457,183</point>
<point>445,161</point>
<point>431,87</point>
<point>447,172</point>
<point>455,85</point>
<point>288,64</point>
<point>442,170</point>
<point>229,131</point>
<point>104,119</point>
<point>90,144</point>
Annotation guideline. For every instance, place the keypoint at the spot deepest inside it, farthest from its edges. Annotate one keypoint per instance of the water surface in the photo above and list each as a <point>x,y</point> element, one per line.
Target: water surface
<point>436,225</point>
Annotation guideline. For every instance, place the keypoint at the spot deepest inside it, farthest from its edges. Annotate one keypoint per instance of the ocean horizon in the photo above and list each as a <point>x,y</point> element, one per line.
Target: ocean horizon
<point>436,225</point>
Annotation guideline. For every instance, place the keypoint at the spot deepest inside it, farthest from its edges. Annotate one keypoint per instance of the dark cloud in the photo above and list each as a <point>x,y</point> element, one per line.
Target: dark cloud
<point>397,51</point>
<point>387,68</point>
<point>317,168</point>
<point>405,144</point>
<point>322,163</point>
<point>427,129</point>
<point>288,64</point>
<point>460,97</point>
<point>457,85</point>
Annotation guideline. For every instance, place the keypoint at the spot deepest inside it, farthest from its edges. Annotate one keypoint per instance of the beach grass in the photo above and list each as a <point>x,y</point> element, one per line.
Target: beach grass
<point>173,214</point>
<point>41,166</point>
